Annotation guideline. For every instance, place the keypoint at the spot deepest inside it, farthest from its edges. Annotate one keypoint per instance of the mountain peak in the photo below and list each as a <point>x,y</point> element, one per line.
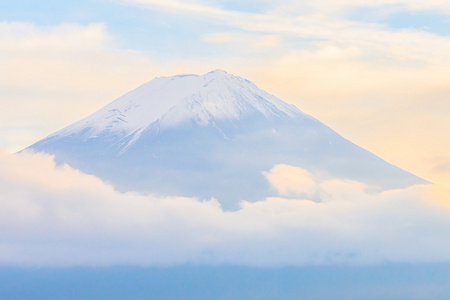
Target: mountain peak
<point>217,72</point>
<point>170,101</point>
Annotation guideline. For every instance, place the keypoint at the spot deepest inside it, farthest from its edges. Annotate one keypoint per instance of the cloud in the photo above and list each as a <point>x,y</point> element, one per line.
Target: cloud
<point>192,7</point>
<point>290,20</point>
<point>57,216</point>
<point>440,6</point>
<point>212,9</point>
<point>291,181</point>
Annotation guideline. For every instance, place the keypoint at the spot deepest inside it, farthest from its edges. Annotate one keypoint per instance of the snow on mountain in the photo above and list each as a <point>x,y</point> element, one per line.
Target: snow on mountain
<point>173,100</point>
<point>209,136</point>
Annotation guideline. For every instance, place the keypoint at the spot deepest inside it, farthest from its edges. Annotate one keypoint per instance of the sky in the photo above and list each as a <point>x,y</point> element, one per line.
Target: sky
<point>377,73</point>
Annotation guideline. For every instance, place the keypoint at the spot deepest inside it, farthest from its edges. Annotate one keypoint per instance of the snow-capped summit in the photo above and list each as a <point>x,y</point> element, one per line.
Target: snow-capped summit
<point>210,135</point>
<point>170,101</point>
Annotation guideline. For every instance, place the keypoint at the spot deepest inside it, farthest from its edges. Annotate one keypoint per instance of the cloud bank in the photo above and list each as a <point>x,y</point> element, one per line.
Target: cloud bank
<point>57,216</point>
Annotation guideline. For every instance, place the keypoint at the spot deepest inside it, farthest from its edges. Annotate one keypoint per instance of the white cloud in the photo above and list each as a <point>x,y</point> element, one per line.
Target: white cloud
<point>54,215</point>
<point>292,181</point>
<point>213,8</point>
<point>194,7</point>
<point>290,20</point>
<point>441,6</point>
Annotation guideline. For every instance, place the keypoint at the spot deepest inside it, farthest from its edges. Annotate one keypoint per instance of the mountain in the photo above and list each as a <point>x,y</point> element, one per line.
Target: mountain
<point>209,136</point>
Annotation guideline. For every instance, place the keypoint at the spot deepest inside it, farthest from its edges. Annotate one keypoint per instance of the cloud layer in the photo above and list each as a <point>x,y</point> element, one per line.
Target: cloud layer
<point>57,216</point>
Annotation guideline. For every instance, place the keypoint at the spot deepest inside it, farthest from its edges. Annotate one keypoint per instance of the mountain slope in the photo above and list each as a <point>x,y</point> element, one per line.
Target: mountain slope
<point>209,136</point>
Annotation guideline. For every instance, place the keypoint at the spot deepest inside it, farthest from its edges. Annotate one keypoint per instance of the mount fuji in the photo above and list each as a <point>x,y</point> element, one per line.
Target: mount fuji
<point>211,135</point>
